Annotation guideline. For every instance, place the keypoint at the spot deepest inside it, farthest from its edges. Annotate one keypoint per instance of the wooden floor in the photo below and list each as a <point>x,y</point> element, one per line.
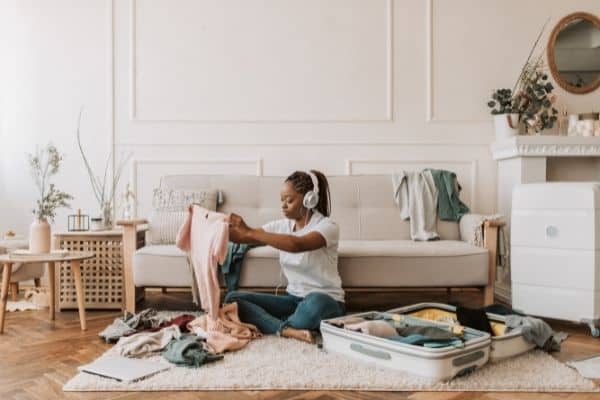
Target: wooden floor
<point>38,356</point>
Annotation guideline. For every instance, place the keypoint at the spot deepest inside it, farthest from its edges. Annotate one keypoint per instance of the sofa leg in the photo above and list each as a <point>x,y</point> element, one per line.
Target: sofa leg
<point>140,294</point>
<point>37,282</point>
<point>488,295</point>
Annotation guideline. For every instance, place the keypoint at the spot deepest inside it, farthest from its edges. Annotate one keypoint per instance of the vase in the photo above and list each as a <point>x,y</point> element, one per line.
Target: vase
<point>39,236</point>
<point>506,125</point>
<point>107,221</point>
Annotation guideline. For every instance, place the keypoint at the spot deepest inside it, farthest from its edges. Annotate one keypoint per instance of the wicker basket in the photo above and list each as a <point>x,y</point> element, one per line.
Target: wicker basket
<point>102,276</point>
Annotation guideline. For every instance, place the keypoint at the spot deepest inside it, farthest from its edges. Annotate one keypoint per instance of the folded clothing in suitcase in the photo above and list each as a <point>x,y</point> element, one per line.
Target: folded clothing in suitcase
<point>504,344</point>
<point>439,358</point>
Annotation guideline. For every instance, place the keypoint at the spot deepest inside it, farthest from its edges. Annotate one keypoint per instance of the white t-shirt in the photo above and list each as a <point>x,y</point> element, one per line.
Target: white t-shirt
<point>311,271</point>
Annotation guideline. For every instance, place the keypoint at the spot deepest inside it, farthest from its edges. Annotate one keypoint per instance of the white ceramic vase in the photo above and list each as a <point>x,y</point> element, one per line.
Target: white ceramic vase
<point>39,236</point>
<point>506,125</point>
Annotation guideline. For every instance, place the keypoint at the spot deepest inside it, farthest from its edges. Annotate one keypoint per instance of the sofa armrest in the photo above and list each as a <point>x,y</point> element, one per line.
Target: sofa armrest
<point>482,230</point>
<point>490,242</point>
<point>133,238</point>
<point>470,227</point>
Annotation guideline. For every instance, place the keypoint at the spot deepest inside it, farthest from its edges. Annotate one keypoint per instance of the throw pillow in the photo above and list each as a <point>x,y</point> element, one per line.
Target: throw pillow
<point>169,207</point>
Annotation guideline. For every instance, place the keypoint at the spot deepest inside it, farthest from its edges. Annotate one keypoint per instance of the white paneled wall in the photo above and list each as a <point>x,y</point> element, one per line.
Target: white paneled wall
<point>261,87</point>
<point>269,61</point>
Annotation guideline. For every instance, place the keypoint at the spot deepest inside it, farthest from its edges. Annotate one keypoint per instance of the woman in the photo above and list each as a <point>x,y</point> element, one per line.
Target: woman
<point>308,253</point>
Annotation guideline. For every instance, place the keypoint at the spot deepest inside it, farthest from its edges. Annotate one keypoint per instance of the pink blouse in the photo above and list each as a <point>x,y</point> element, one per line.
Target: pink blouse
<point>210,233</point>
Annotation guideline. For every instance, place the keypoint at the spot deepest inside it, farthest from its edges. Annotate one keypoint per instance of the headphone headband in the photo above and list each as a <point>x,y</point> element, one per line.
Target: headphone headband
<point>314,180</point>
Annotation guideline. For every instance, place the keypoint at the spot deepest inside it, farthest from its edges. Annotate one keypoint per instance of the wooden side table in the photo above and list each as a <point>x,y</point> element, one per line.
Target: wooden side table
<point>102,275</point>
<point>73,258</point>
<point>7,246</point>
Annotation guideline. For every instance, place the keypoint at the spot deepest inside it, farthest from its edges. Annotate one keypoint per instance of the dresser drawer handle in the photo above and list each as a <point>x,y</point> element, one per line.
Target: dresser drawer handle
<point>551,231</point>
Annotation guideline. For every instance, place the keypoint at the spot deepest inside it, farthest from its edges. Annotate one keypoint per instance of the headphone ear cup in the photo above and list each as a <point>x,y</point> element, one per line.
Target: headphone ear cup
<point>311,199</point>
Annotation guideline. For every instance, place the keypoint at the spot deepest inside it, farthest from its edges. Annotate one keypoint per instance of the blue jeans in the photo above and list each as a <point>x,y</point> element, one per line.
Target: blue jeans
<point>271,313</point>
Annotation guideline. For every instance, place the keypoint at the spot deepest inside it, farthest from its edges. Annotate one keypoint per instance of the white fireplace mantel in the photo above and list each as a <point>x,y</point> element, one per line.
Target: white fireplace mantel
<point>546,146</point>
<point>531,159</point>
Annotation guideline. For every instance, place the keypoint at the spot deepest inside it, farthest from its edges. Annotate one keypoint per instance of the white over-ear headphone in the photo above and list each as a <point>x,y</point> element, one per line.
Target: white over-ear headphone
<point>311,198</point>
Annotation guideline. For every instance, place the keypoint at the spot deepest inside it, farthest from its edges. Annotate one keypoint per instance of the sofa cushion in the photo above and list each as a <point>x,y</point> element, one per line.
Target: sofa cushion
<point>169,207</point>
<point>404,263</point>
<point>161,265</point>
<point>362,263</point>
<point>166,265</point>
<point>362,205</point>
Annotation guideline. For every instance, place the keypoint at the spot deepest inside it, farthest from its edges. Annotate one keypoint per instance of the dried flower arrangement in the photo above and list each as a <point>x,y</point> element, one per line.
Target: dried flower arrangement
<point>44,164</point>
<point>531,96</point>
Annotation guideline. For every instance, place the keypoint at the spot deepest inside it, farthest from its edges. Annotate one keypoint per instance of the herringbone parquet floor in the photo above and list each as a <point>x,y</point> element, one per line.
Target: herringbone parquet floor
<point>38,356</point>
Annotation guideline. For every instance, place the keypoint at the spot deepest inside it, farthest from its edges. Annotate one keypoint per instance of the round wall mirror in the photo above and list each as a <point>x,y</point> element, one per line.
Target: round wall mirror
<point>574,53</point>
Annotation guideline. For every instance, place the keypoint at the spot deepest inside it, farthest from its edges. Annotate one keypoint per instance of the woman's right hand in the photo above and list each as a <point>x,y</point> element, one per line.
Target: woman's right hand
<point>238,230</point>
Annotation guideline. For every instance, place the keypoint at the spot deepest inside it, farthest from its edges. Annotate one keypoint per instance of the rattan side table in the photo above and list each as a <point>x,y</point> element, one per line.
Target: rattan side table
<point>102,275</point>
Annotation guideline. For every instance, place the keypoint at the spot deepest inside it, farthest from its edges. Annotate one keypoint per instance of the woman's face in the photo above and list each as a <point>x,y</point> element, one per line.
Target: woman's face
<point>291,202</point>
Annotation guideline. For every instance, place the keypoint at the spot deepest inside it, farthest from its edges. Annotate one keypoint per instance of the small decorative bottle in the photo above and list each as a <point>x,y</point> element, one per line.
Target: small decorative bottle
<point>563,123</point>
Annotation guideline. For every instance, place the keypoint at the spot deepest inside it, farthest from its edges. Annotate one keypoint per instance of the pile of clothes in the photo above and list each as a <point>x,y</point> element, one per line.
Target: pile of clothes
<point>183,340</point>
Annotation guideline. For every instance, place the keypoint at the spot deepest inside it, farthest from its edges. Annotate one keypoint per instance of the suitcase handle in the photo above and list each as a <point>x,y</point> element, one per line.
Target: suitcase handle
<point>371,353</point>
<point>469,358</point>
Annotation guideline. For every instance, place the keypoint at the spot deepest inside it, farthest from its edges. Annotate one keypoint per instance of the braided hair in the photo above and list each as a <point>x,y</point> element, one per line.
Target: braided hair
<point>302,183</point>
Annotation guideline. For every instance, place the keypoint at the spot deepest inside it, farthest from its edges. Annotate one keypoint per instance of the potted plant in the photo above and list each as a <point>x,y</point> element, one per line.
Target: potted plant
<point>44,164</point>
<point>505,109</point>
<point>529,103</point>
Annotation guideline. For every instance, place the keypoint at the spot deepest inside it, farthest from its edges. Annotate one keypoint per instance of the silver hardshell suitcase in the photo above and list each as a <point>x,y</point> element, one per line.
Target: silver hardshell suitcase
<point>435,363</point>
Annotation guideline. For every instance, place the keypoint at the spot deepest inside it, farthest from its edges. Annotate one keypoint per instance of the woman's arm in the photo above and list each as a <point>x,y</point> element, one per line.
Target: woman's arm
<point>239,232</point>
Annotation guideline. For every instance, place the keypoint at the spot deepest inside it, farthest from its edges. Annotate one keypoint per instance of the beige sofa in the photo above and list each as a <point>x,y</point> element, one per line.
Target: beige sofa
<point>375,249</point>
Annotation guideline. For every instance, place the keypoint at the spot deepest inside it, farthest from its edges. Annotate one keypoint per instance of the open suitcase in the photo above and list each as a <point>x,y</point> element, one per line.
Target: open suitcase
<point>441,363</point>
<point>436,363</point>
<point>503,344</point>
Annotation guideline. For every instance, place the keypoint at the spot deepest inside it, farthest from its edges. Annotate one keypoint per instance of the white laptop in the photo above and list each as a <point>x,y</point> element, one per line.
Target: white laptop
<point>123,369</point>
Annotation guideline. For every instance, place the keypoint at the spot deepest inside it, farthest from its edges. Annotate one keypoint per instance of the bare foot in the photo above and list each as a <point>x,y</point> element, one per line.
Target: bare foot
<point>300,334</point>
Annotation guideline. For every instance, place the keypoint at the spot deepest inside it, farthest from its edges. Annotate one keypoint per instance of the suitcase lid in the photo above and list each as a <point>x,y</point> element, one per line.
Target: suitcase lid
<point>556,195</point>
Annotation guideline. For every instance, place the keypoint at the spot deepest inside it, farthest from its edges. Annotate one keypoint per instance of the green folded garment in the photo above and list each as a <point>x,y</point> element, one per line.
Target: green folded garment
<point>189,350</point>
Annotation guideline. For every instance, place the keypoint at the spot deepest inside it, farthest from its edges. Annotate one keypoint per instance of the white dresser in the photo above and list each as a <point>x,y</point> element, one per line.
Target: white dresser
<point>555,257</point>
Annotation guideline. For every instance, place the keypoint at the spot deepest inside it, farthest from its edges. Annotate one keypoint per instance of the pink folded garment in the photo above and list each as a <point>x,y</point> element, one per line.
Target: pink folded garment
<point>227,332</point>
<point>343,321</point>
<point>374,328</point>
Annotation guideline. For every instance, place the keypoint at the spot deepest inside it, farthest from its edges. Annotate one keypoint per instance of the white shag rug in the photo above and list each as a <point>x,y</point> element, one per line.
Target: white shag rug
<point>273,363</point>
<point>21,305</point>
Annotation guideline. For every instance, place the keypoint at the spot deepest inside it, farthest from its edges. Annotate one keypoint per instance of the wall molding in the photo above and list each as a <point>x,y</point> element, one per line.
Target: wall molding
<point>133,84</point>
<point>308,144</point>
<point>110,95</point>
<point>132,60</point>
<point>473,167</point>
<point>563,147</point>
<point>430,117</point>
